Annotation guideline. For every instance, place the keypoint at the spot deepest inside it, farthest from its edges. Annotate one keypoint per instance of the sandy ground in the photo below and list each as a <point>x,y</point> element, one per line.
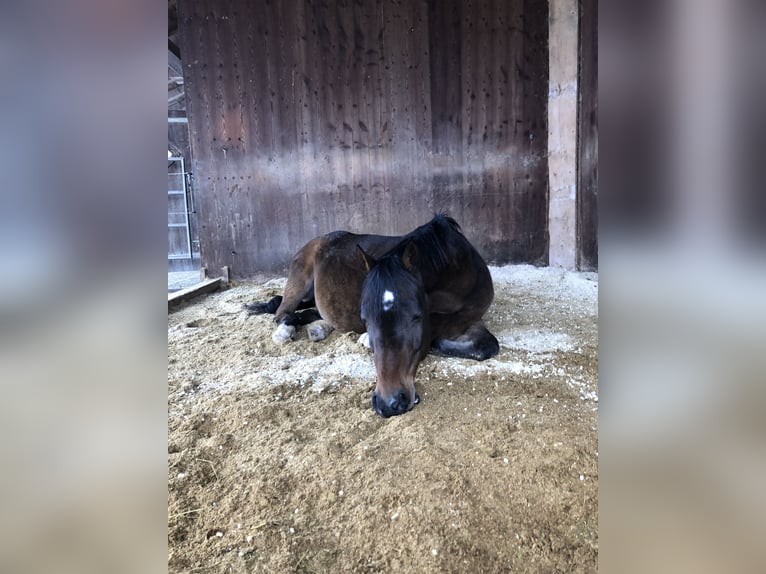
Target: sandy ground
<point>277,462</point>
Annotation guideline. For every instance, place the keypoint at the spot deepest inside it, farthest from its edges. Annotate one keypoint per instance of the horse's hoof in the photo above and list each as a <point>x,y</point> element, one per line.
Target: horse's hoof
<point>283,334</point>
<point>364,340</point>
<point>319,330</point>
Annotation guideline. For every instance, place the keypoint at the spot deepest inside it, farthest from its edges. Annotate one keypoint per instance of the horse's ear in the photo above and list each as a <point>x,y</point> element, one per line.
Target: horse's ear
<point>367,260</point>
<point>410,256</point>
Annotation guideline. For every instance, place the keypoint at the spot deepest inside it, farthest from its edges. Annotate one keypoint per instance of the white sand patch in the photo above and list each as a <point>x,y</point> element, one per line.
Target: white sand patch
<point>575,291</point>
<point>537,341</point>
<point>318,373</point>
<point>467,368</point>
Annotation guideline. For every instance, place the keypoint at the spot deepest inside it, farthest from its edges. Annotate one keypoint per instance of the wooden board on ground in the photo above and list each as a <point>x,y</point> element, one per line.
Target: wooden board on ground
<point>206,286</point>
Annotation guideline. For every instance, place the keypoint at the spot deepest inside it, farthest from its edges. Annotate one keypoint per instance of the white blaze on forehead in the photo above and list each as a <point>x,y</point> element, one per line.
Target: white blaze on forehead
<point>388,300</point>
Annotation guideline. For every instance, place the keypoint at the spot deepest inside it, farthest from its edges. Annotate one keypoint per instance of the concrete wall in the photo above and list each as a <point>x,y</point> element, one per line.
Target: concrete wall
<point>562,132</point>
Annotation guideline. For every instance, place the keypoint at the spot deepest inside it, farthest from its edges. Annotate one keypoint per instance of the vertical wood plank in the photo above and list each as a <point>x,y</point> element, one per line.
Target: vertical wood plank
<point>587,129</point>
<point>367,115</point>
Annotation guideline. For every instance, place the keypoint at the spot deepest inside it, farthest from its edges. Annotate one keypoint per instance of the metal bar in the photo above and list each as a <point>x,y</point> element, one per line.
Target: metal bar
<point>186,209</point>
<point>174,98</point>
<point>178,120</point>
<point>186,225</point>
<point>188,188</point>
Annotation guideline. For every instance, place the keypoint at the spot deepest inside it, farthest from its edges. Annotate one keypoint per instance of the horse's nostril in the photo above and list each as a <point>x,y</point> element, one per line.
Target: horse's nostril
<point>396,405</point>
<point>399,402</point>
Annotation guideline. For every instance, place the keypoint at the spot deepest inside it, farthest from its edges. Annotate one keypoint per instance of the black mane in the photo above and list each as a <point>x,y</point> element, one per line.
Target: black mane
<point>432,240</point>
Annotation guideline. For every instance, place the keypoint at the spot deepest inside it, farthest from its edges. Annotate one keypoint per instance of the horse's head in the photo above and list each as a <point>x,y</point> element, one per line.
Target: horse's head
<point>394,311</point>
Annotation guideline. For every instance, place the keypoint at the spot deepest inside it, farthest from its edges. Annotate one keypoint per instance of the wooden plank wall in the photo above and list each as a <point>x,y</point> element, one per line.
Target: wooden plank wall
<point>366,115</point>
<point>587,128</point>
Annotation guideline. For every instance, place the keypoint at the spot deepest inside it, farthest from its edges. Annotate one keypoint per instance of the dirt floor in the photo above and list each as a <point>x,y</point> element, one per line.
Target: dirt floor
<point>277,462</point>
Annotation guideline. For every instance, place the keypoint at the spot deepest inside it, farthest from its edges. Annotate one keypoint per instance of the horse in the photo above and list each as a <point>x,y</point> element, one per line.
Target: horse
<point>422,292</point>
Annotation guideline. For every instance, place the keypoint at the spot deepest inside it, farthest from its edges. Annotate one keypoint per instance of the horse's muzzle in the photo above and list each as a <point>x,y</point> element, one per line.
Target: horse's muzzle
<point>398,404</point>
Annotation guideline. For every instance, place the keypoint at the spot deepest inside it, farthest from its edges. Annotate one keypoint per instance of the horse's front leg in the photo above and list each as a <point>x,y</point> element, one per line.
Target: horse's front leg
<point>475,343</point>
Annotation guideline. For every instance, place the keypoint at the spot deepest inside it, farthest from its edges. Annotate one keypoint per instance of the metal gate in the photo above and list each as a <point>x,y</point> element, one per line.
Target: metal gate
<point>179,208</point>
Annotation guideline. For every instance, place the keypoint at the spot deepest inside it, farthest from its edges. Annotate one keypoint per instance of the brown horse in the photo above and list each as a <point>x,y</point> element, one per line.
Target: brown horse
<point>424,291</point>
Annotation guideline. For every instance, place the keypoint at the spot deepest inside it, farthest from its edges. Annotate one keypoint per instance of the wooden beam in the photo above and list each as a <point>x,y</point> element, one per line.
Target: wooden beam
<point>206,286</point>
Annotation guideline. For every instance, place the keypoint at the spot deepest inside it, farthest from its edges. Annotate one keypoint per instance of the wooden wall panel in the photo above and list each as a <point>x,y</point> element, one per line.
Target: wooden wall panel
<point>587,128</point>
<point>367,115</point>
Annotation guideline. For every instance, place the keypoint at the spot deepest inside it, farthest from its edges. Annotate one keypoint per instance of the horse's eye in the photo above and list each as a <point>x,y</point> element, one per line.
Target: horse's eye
<point>416,318</point>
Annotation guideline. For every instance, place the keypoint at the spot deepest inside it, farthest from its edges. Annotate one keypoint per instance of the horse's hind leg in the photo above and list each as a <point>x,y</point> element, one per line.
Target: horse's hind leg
<point>269,307</point>
<point>476,343</point>
<point>299,291</point>
<point>300,280</point>
<point>273,304</point>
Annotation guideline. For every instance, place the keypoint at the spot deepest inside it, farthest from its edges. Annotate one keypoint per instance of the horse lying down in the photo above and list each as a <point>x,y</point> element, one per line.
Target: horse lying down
<point>424,291</point>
